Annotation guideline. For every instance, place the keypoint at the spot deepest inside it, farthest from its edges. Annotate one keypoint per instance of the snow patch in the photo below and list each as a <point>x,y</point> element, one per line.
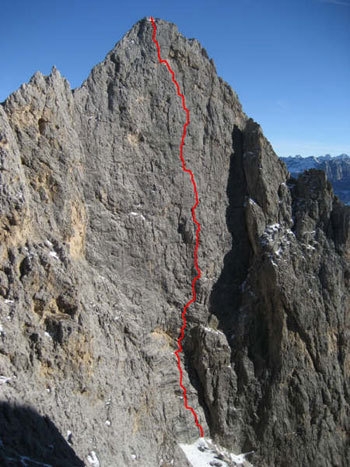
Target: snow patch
<point>310,247</point>
<point>271,257</point>
<point>270,233</point>
<point>69,436</point>
<point>215,331</point>
<point>93,459</point>
<point>54,254</point>
<point>279,251</point>
<point>4,379</point>
<point>137,214</point>
<point>204,453</point>
<point>273,228</point>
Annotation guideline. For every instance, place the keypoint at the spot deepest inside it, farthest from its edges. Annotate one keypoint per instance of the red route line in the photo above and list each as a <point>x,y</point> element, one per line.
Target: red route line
<point>198,229</point>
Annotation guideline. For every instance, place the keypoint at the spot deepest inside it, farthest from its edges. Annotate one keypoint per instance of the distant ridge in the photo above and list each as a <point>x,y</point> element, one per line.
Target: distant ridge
<point>336,168</point>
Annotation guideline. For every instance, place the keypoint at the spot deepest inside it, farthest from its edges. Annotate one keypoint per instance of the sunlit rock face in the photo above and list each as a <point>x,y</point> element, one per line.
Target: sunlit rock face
<point>96,263</point>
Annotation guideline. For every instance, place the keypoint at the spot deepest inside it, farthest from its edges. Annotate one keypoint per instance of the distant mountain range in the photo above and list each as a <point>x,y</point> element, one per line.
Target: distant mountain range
<point>337,170</point>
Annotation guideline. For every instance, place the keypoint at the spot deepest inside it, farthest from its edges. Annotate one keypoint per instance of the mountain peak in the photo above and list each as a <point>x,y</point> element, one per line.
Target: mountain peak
<point>96,265</point>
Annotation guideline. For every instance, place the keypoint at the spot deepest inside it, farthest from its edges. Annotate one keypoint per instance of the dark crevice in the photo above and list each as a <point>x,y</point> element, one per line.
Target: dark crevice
<point>196,383</point>
<point>225,298</point>
<point>117,63</point>
<point>226,295</point>
<point>42,124</point>
<point>111,96</point>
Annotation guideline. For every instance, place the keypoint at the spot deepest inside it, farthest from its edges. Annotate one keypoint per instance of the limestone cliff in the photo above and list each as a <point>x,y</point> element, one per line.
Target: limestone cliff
<point>96,262</point>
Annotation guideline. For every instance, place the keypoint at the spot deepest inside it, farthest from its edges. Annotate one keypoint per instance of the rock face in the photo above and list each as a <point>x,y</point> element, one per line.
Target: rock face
<point>337,170</point>
<point>97,260</point>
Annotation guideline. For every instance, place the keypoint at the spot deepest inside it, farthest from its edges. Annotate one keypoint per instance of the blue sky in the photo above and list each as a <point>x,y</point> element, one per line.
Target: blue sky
<point>288,61</point>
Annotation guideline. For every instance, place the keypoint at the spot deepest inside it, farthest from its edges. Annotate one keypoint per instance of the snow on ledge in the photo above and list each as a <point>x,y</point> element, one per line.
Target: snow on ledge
<point>204,453</point>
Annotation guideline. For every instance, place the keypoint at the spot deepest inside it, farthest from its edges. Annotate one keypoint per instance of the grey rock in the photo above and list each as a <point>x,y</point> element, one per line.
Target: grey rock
<point>97,261</point>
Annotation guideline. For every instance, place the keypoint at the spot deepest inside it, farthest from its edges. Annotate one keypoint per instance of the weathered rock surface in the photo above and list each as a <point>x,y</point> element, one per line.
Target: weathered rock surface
<point>97,259</point>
